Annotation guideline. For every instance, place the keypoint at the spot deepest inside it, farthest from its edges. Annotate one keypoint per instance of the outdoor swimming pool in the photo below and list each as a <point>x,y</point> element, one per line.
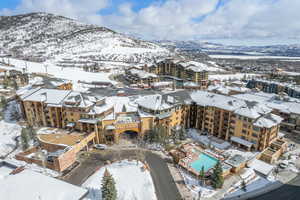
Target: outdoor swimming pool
<point>204,160</point>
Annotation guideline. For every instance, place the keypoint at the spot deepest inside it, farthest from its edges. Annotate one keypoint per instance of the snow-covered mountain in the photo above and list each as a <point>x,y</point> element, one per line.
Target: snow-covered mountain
<point>214,48</point>
<point>42,36</point>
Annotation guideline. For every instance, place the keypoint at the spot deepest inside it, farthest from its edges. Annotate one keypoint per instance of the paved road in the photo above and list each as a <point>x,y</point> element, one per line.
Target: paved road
<point>164,184</point>
<point>289,191</point>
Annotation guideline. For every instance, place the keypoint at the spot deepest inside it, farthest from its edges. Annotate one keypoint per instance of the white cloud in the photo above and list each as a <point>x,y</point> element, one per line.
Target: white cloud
<point>83,10</point>
<point>179,19</point>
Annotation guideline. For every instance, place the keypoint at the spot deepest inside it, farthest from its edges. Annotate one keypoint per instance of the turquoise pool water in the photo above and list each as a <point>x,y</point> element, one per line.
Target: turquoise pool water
<point>204,160</point>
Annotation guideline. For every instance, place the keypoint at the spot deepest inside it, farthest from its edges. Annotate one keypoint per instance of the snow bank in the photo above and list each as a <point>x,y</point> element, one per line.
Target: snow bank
<point>8,132</point>
<point>131,181</point>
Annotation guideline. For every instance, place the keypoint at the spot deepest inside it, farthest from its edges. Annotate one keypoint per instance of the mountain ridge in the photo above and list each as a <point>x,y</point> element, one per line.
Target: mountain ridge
<point>44,36</point>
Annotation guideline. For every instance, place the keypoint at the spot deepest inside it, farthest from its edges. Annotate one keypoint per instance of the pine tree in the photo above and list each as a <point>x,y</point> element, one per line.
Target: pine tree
<point>244,187</point>
<point>31,132</point>
<point>24,138</point>
<point>14,84</point>
<point>217,178</point>
<point>109,191</point>
<point>124,108</point>
<point>182,134</point>
<point>3,102</point>
<point>202,175</point>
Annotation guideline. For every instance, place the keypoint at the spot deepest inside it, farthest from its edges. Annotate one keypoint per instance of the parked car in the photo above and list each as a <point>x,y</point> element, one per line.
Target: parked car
<point>283,165</point>
<point>100,146</point>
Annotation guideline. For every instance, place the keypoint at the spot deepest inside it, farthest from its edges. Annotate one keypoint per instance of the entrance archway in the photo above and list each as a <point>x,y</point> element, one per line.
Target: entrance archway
<point>128,138</point>
<point>129,134</point>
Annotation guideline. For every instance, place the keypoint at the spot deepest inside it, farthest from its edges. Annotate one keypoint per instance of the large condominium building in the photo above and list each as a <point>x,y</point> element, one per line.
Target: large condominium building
<point>190,71</point>
<point>248,124</point>
<point>275,87</point>
<point>286,107</point>
<point>108,117</point>
<point>138,76</point>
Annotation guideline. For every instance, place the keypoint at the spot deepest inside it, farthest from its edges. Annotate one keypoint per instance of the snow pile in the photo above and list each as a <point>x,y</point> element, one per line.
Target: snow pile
<point>8,133</point>
<point>194,185</point>
<point>132,182</point>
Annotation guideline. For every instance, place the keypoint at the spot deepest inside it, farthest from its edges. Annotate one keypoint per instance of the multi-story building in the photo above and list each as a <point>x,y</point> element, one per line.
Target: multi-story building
<point>248,124</point>
<point>286,107</point>
<point>187,70</point>
<point>275,87</point>
<point>138,76</point>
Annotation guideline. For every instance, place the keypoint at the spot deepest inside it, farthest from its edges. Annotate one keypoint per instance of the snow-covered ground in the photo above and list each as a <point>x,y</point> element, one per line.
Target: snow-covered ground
<point>245,57</point>
<point>224,77</point>
<point>195,186</point>
<point>132,181</point>
<point>74,74</point>
<point>8,132</point>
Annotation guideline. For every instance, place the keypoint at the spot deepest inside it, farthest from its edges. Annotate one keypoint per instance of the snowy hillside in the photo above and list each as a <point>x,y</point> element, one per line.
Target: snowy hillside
<point>41,36</point>
<point>215,48</point>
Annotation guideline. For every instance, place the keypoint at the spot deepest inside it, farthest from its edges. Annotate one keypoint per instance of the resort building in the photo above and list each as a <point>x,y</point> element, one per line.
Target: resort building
<point>247,124</point>
<point>291,90</point>
<point>286,107</point>
<point>138,76</point>
<point>187,70</point>
<point>108,117</point>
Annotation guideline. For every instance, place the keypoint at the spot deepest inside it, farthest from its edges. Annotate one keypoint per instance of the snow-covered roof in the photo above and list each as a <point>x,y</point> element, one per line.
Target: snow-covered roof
<point>285,105</point>
<point>198,66</point>
<point>155,102</point>
<point>142,74</point>
<point>261,167</point>
<point>32,185</point>
<point>236,160</point>
<point>49,96</point>
<point>268,121</point>
<point>241,141</point>
<point>162,83</point>
<point>253,110</point>
<point>190,84</point>
<point>204,98</point>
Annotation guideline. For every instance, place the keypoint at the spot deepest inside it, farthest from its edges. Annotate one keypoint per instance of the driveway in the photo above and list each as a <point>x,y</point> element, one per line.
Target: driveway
<point>165,186</point>
<point>289,191</point>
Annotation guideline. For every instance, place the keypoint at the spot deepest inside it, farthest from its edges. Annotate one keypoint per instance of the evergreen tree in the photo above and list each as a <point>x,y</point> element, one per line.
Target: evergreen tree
<point>244,187</point>
<point>124,108</point>
<point>109,191</point>
<point>31,132</point>
<point>182,134</point>
<point>24,138</point>
<point>217,178</point>
<point>14,84</point>
<point>3,102</point>
<point>202,175</point>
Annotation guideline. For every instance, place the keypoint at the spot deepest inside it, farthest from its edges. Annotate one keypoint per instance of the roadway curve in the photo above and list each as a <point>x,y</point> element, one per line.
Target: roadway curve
<point>289,191</point>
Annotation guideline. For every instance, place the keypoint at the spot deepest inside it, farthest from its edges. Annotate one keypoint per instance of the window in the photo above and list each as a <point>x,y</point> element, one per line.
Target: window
<point>254,135</point>
<point>256,128</point>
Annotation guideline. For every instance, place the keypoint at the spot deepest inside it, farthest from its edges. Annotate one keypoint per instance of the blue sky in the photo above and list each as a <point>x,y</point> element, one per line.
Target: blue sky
<point>229,21</point>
